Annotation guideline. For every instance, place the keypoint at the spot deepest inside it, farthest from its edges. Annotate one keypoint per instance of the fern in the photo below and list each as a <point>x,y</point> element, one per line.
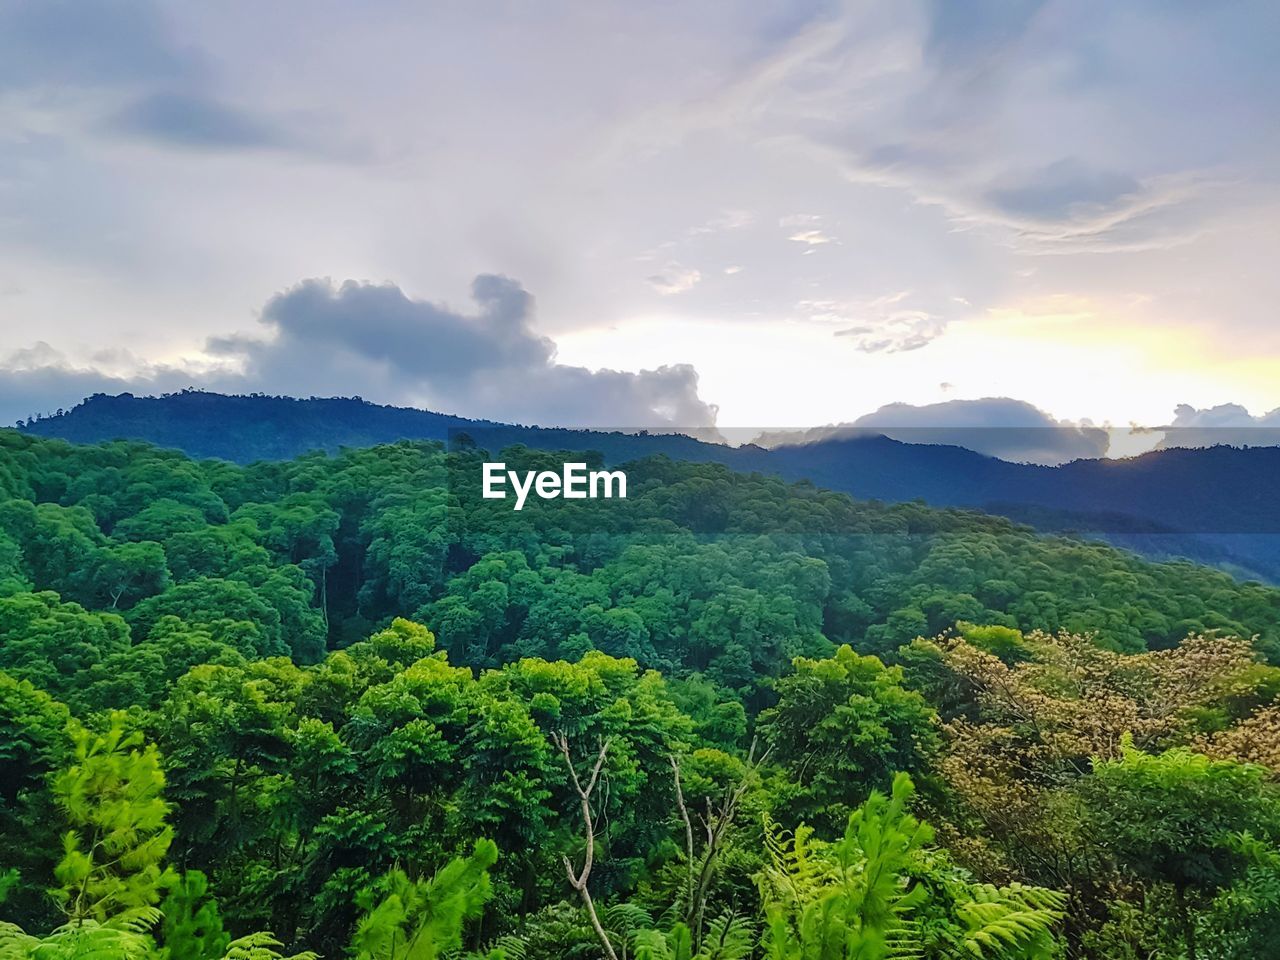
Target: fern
<point>85,940</point>
<point>656,945</point>
<point>624,919</point>
<point>508,947</point>
<point>797,870</point>
<point>863,912</point>
<point>14,944</point>
<point>1010,923</point>
<point>261,946</point>
<point>728,937</point>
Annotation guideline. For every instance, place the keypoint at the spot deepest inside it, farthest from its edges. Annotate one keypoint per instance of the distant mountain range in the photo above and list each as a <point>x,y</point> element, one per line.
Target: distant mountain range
<point>1219,505</point>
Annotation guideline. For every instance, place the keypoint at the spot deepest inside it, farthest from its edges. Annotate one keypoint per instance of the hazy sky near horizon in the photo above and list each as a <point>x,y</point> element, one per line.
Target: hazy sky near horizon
<point>773,213</point>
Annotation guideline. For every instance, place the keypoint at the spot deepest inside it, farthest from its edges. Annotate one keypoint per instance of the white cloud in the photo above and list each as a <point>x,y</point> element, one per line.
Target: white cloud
<point>885,324</point>
<point>674,278</point>
<point>997,426</point>
<point>1227,424</point>
<point>813,238</point>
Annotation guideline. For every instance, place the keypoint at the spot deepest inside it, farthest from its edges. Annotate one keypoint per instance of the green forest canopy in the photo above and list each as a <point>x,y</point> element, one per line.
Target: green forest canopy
<point>345,670</point>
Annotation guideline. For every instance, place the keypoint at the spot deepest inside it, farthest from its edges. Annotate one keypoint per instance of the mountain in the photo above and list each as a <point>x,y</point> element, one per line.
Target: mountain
<point>243,429</point>
<point>1219,505</point>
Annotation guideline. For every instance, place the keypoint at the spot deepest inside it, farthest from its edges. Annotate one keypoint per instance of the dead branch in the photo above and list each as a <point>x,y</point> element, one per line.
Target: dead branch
<point>578,878</point>
<point>716,823</point>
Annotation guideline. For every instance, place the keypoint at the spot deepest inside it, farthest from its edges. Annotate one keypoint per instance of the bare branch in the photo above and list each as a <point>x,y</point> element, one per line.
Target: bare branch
<point>579,880</point>
<point>688,827</point>
<point>717,822</point>
<point>595,772</point>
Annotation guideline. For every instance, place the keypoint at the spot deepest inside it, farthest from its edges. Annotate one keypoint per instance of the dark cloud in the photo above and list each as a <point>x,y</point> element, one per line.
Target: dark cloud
<point>317,325</point>
<point>488,362</point>
<point>997,426</point>
<point>47,42</point>
<point>1061,190</point>
<point>97,54</point>
<point>977,28</point>
<point>193,120</point>
<point>375,341</point>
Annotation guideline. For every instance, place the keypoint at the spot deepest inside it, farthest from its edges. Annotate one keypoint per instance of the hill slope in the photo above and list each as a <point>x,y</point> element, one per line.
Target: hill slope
<point>1219,505</point>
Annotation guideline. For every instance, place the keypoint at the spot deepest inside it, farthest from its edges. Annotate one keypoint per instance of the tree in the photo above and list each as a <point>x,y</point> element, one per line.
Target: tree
<point>128,572</point>
<point>1029,716</point>
<point>35,743</point>
<point>841,727</point>
<point>717,823</point>
<point>192,927</point>
<point>423,919</point>
<point>53,643</point>
<point>1182,819</point>
<point>112,872</point>
<point>113,855</point>
<point>580,876</point>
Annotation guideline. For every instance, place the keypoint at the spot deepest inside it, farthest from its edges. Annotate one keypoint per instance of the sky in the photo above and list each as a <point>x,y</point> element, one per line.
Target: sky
<point>695,214</point>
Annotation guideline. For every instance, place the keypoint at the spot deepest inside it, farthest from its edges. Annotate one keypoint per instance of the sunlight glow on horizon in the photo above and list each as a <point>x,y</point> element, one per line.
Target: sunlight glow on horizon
<point>1067,357</point>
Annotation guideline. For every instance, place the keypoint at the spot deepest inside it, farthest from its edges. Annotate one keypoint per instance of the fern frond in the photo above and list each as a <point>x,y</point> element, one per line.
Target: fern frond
<point>1016,921</point>
<point>508,947</point>
<point>87,940</point>
<point>140,920</point>
<point>625,918</point>
<point>14,943</point>
<point>728,937</point>
<point>262,946</point>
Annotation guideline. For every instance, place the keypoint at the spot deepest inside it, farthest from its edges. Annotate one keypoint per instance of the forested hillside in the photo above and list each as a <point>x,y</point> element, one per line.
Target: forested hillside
<point>343,704</point>
<point>1219,506</point>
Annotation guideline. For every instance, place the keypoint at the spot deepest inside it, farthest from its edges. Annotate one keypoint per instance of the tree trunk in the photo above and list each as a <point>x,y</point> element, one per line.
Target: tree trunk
<point>1188,921</point>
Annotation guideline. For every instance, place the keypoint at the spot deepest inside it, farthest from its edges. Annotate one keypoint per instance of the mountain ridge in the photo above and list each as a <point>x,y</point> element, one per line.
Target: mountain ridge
<point>1218,505</point>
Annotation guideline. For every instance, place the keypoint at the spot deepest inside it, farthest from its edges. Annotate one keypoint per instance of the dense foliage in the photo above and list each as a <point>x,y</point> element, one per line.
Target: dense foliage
<point>343,704</point>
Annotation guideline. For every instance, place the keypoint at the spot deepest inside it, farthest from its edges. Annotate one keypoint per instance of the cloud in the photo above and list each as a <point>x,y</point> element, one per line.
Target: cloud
<point>806,228</point>
<point>189,120</point>
<point>40,380</point>
<point>1225,424</point>
<point>1009,116</point>
<point>959,33</point>
<point>997,426</point>
<point>373,340</point>
<point>899,332</point>
<point>812,238</point>
<point>120,63</point>
<point>997,152</point>
<point>47,42</point>
<point>674,279</point>
<point>408,339</point>
<point>1062,190</point>
<point>885,324</point>
<point>728,220</point>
